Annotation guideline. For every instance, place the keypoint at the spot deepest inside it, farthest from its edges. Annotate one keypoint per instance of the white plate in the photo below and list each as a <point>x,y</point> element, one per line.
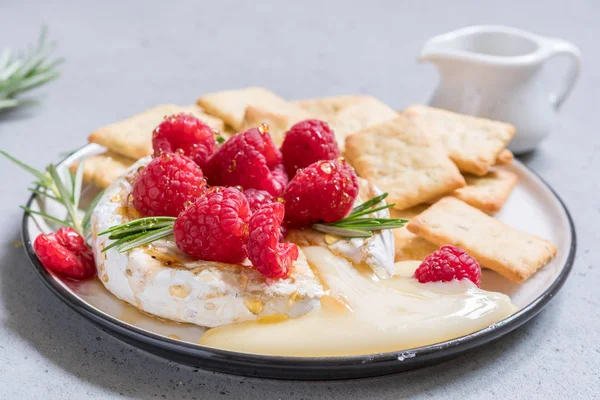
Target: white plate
<point>533,207</point>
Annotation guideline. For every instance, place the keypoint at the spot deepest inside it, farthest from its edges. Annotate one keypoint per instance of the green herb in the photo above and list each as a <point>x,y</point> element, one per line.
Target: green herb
<point>357,225</point>
<point>139,232</point>
<point>19,74</point>
<point>146,230</point>
<point>220,139</point>
<point>59,184</point>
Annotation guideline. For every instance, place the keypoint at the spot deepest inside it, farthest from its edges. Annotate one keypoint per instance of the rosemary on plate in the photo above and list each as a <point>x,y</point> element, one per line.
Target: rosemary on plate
<point>358,224</point>
<point>58,183</point>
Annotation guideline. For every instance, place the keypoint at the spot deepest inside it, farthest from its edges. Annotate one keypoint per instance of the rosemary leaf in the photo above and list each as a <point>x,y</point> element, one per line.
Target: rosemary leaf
<point>65,196</point>
<point>139,228</point>
<point>40,175</point>
<point>369,203</point>
<point>77,183</point>
<point>121,241</point>
<point>42,193</point>
<point>344,232</point>
<point>141,221</point>
<point>47,216</point>
<point>147,238</point>
<point>85,222</point>
<point>368,211</point>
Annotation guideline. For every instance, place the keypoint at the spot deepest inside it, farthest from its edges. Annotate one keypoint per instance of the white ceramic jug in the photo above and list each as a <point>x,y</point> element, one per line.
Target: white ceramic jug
<point>494,72</point>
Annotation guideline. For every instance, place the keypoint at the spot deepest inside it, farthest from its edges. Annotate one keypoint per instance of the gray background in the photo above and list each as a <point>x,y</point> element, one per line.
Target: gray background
<point>123,57</point>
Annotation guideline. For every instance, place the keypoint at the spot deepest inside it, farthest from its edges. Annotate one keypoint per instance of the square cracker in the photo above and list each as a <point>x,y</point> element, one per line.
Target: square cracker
<point>487,193</point>
<point>230,105</point>
<point>359,115</point>
<point>407,245</point>
<point>326,108</point>
<point>102,169</point>
<point>401,159</point>
<point>505,157</point>
<point>278,124</point>
<point>132,137</point>
<point>472,143</point>
<point>513,254</point>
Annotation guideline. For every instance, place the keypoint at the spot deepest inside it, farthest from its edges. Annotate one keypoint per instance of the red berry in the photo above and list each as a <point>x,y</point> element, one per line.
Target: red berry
<point>167,184</point>
<point>270,257</point>
<point>247,159</point>
<point>261,140</point>
<point>280,176</point>
<point>307,142</point>
<point>257,198</point>
<point>65,252</point>
<point>323,191</point>
<point>186,133</point>
<point>448,263</point>
<point>215,227</point>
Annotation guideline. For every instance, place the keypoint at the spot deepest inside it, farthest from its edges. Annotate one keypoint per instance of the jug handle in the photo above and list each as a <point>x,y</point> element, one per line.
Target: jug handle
<point>559,47</point>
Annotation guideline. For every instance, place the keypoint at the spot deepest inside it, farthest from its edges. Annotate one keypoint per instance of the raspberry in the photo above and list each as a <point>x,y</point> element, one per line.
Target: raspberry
<point>167,184</point>
<point>448,263</point>
<point>323,191</point>
<point>307,142</point>
<point>249,160</point>
<point>257,198</point>
<point>280,176</point>
<point>270,257</point>
<point>186,133</point>
<point>261,140</point>
<point>65,252</point>
<point>215,227</point>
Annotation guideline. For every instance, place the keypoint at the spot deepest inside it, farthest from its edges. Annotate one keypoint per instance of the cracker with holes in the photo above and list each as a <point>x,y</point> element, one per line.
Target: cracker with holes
<point>326,108</point>
<point>132,137</point>
<point>102,169</point>
<point>514,254</point>
<point>230,106</point>
<point>487,193</point>
<point>505,157</point>
<point>474,144</point>
<point>278,124</point>
<point>360,115</point>
<point>401,159</point>
<point>407,245</point>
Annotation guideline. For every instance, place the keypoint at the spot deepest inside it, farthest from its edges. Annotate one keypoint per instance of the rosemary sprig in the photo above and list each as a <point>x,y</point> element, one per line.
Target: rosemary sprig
<point>357,225</point>
<point>146,230</point>
<point>25,72</point>
<point>139,232</point>
<point>62,186</point>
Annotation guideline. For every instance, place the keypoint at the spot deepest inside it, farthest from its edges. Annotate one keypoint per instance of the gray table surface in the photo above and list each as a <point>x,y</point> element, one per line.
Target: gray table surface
<point>123,57</point>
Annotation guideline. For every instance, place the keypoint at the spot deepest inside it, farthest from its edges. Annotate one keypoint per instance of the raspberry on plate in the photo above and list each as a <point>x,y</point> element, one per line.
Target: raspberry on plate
<point>257,198</point>
<point>307,142</point>
<point>65,252</point>
<point>280,176</point>
<point>261,140</point>
<point>250,160</point>
<point>215,227</point>
<point>322,192</point>
<point>448,263</point>
<point>185,133</point>
<point>167,184</point>
<point>270,257</point>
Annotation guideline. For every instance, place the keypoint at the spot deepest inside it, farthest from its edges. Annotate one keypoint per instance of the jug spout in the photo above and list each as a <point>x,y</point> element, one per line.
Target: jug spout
<point>436,49</point>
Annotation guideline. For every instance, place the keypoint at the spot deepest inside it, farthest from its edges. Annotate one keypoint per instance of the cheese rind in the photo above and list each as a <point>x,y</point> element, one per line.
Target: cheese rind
<point>161,280</point>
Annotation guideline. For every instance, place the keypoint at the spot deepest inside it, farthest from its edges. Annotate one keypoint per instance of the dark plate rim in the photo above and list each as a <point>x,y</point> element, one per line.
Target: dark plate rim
<point>455,345</point>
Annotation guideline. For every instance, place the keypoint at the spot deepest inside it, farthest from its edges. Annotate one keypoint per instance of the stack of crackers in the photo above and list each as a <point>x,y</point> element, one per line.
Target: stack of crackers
<point>443,170</point>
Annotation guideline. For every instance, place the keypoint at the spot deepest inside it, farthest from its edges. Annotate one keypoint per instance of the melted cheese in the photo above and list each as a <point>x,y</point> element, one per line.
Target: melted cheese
<point>375,316</point>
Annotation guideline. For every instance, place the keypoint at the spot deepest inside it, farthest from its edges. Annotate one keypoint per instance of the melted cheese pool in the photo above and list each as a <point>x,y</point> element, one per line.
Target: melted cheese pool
<point>365,315</point>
